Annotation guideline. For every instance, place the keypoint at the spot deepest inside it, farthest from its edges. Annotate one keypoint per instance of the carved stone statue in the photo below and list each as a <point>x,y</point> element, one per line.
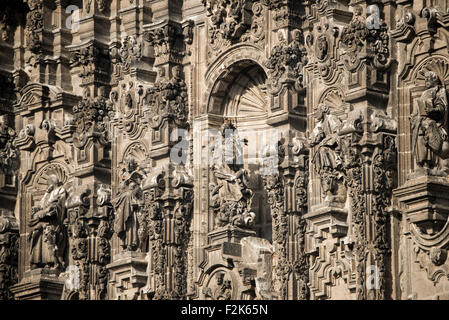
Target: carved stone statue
<point>221,289</point>
<point>230,196</point>
<point>47,239</point>
<point>126,205</point>
<point>326,158</point>
<point>430,132</point>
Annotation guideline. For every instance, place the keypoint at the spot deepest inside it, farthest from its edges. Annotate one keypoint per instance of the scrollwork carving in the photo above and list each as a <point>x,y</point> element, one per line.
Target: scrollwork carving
<point>228,20</point>
<point>34,25</point>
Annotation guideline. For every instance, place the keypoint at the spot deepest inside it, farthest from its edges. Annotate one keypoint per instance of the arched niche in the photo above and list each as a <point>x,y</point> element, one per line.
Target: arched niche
<point>239,95</point>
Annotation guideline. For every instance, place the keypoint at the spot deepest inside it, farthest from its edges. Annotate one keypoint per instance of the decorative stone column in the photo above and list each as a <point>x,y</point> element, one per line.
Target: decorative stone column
<point>9,249</point>
<point>287,197</point>
<point>168,205</point>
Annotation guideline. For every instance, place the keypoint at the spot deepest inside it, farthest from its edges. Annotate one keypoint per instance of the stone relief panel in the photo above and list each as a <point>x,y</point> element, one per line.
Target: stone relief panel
<point>231,22</point>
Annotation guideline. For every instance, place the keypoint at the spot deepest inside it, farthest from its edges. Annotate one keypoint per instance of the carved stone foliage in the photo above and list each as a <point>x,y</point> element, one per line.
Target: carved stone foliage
<point>9,155</point>
<point>230,195</point>
<point>169,41</point>
<point>34,25</point>
<point>231,22</point>
<point>93,62</point>
<point>256,33</point>
<point>167,99</point>
<point>366,36</point>
<point>289,226</point>
<point>92,117</point>
<point>275,189</point>
<point>384,168</point>
<point>9,250</point>
<point>369,208</point>
<point>228,20</point>
<point>286,61</point>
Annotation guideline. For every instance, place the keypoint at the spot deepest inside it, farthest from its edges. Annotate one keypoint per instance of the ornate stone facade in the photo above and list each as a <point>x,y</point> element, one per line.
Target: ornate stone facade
<point>224,149</point>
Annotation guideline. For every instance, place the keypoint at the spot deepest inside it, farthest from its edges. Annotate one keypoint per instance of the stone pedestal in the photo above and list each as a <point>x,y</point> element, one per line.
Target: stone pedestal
<point>39,284</point>
<point>328,218</point>
<point>231,254</point>
<point>229,234</point>
<point>426,200</point>
<point>128,274</point>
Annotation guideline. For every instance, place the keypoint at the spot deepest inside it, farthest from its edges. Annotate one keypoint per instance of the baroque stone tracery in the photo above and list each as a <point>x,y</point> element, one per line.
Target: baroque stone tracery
<point>224,149</point>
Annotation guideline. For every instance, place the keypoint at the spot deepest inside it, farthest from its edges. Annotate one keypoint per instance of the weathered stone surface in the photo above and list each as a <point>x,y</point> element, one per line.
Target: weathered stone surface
<point>224,149</point>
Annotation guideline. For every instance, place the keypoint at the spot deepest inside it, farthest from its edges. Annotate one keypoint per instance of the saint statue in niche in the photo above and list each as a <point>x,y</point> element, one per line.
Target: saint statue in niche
<point>429,125</point>
<point>127,204</point>
<point>46,238</point>
<point>326,158</point>
<point>230,196</point>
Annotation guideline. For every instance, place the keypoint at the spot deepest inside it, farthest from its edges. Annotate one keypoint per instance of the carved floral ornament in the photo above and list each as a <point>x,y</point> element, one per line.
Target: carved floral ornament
<point>87,231</point>
<point>167,99</point>
<point>170,41</point>
<point>366,35</point>
<point>233,21</point>
<point>9,154</point>
<point>34,25</point>
<point>229,18</point>
<point>92,117</point>
<point>286,61</point>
